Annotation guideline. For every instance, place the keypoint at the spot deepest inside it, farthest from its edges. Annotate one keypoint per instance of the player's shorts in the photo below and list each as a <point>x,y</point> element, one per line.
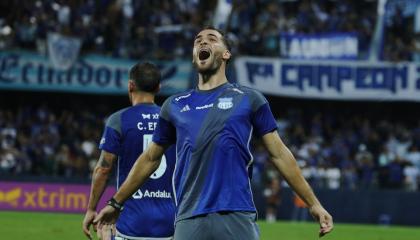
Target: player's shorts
<point>220,225</point>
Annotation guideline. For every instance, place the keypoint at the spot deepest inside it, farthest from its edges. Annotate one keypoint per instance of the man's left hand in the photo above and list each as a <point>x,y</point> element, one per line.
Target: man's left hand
<point>324,218</point>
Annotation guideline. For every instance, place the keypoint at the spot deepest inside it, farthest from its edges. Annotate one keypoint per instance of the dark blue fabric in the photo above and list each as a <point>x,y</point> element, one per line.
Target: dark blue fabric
<point>149,212</point>
<point>212,131</point>
<point>263,120</point>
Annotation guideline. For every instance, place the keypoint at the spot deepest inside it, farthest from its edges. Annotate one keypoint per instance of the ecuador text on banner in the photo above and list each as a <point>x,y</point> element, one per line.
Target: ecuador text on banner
<point>90,74</point>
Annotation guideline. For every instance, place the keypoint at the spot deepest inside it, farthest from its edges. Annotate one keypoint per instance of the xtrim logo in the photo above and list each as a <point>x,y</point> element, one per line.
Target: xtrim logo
<point>151,194</point>
<point>11,197</point>
<point>41,198</point>
<point>46,197</point>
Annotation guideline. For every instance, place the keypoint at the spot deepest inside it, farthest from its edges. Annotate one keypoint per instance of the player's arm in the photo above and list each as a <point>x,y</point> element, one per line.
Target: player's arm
<point>284,161</point>
<point>100,178</point>
<point>144,166</point>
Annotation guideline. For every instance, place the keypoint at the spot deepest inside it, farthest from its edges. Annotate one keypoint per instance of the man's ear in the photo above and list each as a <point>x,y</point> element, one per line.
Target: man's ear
<point>131,86</point>
<point>226,55</point>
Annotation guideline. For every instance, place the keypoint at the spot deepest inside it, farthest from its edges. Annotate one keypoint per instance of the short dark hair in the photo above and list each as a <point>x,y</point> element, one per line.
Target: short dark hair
<point>225,40</point>
<point>146,76</point>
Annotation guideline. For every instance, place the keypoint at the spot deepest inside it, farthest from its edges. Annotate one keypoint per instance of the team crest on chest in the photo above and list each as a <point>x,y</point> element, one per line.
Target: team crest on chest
<point>225,103</point>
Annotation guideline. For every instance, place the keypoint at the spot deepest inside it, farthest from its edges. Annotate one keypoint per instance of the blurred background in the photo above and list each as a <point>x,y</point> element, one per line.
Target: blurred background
<point>342,79</point>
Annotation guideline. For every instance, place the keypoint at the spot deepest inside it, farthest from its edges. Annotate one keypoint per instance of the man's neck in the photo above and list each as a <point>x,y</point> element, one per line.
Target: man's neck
<point>208,82</point>
<point>142,97</point>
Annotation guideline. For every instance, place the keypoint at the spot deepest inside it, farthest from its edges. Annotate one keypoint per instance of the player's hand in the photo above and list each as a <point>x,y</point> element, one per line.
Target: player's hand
<point>324,218</point>
<point>108,215</point>
<point>106,231</point>
<point>87,221</point>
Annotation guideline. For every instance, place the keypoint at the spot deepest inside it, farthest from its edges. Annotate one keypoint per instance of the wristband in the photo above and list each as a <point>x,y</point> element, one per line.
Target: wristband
<point>113,203</point>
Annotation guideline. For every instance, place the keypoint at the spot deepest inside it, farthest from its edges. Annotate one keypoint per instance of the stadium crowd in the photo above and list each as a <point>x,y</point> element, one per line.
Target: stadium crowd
<point>37,141</point>
<point>350,151</point>
<point>257,24</point>
<point>165,29</point>
<point>399,34</point>
<point>334,151</point>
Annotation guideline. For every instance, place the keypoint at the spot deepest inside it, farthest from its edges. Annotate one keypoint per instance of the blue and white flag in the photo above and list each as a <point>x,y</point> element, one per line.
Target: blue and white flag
<point>223,9</point>
<point>63,51</point>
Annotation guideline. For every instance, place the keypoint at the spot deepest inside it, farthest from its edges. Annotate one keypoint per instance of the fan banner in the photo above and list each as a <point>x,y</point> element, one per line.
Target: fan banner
<point>91,74</point>
<point>338,80</point>
<point>339,46</point>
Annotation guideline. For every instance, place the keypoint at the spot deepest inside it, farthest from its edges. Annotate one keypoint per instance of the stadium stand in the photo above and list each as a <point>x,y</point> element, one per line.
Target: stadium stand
<point>364,145</point>
<point>149,29</point>
<point>335,150</point>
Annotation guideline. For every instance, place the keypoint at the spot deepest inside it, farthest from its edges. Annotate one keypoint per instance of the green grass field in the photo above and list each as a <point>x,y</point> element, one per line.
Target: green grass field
<point>50,226</point>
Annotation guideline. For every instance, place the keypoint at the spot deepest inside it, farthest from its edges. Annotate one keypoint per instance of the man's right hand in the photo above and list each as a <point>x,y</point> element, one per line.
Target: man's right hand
<point>106,232</point>
<point>87,221</point>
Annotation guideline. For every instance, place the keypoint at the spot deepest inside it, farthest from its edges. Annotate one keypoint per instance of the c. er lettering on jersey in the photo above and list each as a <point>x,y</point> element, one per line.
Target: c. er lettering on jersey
<point>146,126</point>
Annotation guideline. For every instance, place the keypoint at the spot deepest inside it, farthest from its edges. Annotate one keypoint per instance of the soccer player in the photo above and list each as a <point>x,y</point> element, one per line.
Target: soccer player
<point>212,127</point>
<point>149,211</point>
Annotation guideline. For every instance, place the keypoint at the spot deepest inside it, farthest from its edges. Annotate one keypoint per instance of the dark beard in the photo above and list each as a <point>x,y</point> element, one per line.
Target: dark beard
<point>207,73</point>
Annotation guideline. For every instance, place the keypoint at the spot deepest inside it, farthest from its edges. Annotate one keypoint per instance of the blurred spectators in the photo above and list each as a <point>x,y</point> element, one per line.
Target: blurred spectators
<point>257,24</point>
<point>300,211</point>
<point>333,151</point>
<point>121,28</point>
<point>401,42</point>
<point>350,151</point>
<point>38,141</point>
<point>165,29</point>
<point>398,36</point>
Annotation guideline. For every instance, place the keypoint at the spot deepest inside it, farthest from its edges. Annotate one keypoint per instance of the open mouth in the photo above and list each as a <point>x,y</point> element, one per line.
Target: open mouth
<point>204,54</point>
